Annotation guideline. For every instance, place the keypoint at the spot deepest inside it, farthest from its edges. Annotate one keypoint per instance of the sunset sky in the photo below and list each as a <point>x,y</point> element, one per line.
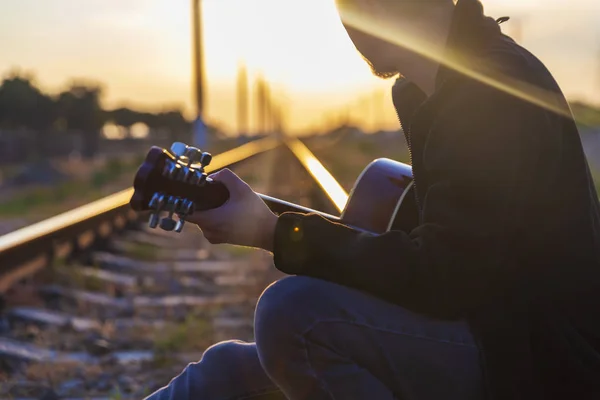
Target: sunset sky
<point>141,51</point>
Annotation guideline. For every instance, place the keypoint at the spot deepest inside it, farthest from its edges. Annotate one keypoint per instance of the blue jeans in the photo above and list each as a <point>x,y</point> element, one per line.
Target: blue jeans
<point>318,340</point>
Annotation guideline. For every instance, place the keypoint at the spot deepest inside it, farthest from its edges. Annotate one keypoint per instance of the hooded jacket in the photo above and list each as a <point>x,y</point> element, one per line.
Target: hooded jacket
<point>509,232</point>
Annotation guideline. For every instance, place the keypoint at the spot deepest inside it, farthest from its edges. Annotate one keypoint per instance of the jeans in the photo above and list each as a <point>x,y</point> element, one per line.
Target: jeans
<point>319,340</point>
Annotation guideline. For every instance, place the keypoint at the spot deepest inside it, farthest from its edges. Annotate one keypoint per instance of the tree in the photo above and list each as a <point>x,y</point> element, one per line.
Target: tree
<point>79,107</point>
<point>125,116</point>
<point>172,120</point>
<point>586,115</point>
<point>23,105</point>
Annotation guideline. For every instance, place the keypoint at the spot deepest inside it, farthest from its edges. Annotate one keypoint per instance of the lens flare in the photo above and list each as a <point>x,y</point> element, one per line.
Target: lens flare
<point>394,34</point>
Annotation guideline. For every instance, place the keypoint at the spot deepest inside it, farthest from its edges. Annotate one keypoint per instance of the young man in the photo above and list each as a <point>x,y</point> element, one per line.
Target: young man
<point>495,294</point>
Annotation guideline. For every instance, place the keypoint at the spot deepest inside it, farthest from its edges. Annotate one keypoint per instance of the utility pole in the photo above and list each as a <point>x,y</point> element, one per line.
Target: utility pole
<point>242,100</point>
<point>346,115</point>
<point>518,33</point>
<point>518,28</point>
<point>260,105</point>
<point>598,77</point>
<point>378,109</point>
<point>364,110</point>
<point>268,109</point>
<point>200,130</point>
<point>264,107</point>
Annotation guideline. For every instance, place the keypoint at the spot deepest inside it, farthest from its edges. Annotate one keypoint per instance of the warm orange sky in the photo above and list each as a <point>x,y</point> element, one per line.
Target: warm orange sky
<point>141,51</point>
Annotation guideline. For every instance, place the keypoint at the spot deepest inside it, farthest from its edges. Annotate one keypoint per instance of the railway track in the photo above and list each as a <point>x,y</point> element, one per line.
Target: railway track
<point>96,305</point>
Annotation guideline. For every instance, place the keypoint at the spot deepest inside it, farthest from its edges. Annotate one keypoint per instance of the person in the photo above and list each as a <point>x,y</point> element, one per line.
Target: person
<point>495,293</point>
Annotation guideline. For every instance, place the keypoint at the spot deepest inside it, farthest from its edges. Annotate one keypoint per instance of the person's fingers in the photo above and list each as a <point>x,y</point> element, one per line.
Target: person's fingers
<point>232,182</point>
<point>209,219</point>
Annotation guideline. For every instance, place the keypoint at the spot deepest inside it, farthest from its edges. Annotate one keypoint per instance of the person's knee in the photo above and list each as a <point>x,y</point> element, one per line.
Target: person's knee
<point>216,361</point>
<point>284,311</point>
<point>225,370</point>
<point>222,354</point>
<point>225,363</point>
<point>285,303</point>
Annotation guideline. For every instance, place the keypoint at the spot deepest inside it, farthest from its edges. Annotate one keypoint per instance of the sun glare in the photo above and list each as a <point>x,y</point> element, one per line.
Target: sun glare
<point>142,54</point>
<point>300,47</point>
<point>395,34</point>
<point>301,43</point>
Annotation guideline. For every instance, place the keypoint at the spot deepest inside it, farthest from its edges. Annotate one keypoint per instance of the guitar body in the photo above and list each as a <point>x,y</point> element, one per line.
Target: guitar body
<point>382,198</point>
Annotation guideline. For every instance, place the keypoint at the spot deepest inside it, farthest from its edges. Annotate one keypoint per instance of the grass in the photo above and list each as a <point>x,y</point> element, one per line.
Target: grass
<point>586,115</point>
<point>193,334</point>
<point>72,276</point>
<point>92,283</point>
<point>141,251</point>
<point>163,360</point>
<point>51,200</point>
<point>38,199</point>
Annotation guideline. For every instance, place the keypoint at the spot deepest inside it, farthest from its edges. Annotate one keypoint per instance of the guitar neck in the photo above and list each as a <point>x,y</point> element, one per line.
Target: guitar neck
<point>279,206</point>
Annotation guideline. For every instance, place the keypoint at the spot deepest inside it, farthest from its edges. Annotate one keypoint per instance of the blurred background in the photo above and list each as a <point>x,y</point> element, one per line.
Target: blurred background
<point>88,86</point>
<point>102,80</point>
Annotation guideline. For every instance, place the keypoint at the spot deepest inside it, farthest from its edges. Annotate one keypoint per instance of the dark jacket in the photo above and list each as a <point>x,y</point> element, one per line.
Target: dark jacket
<point>509,237</point>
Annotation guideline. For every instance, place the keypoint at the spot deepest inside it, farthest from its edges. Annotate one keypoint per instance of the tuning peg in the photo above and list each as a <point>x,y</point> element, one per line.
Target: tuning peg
<point>193,155</point>
<point>199,178</point>
<point>175,171</point>
<point>178,149</point>
<point>153,221</point>
<point>195,178</point>
<point>157,201</point>
<point>188,207</point>
<point>167,224</point>
<point>205,159</point>
<point>179,225</point>
<point>170,170</point>
<point>153,203</point>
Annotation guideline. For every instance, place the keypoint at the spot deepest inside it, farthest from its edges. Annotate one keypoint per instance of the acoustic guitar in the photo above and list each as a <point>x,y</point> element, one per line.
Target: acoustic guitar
<point>174,182</point>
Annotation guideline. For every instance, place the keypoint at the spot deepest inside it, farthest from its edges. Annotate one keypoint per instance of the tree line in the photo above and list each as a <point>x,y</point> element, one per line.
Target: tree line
<point>23,105</point>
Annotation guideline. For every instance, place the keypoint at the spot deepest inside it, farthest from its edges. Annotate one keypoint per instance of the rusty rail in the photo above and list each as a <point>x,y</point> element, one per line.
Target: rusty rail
<point>28,250</point>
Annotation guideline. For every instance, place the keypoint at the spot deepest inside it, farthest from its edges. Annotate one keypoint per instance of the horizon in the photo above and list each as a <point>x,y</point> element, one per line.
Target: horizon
<point>315,73</point>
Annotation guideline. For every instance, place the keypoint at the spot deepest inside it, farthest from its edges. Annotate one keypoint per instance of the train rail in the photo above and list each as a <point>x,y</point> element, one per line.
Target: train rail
<point>96,305</point>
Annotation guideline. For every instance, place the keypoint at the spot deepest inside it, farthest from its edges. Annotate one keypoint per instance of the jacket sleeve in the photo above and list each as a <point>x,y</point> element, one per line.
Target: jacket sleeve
<point>479,161</point>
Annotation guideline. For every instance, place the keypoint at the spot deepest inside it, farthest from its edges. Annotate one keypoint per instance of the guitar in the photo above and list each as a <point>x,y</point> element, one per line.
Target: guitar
<point>175,182</point>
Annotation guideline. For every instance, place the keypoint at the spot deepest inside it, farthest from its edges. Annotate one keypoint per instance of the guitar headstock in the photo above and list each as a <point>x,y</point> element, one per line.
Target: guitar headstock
<point>174,182</point>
